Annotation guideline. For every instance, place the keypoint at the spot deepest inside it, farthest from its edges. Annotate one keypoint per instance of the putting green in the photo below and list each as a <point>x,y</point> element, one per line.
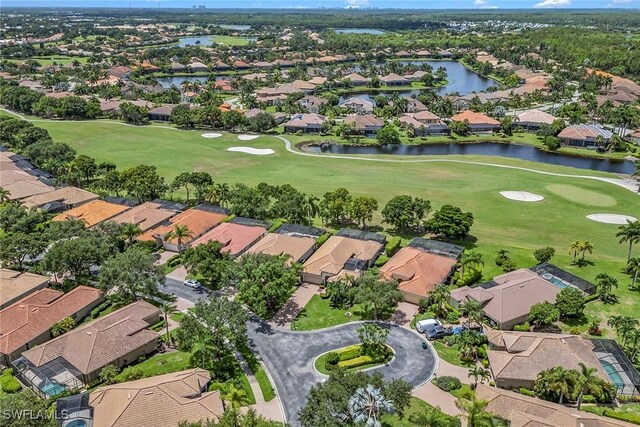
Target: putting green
<point>581,195</point>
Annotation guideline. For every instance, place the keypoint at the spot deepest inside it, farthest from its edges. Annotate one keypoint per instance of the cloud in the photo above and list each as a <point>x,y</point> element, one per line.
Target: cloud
<point>621,1</point>
<point>552,3</point>
<point>484,4</point>
<point>357,3</point>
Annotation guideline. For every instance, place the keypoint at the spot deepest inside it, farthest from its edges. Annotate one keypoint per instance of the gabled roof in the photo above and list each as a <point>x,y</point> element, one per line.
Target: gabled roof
<point>365,122</point>
<point>234,237</point>
<point>281,244</point>
<point>17,284</point>
<point>161,401</point>
<point>474,118</point>
<point>92,213</point>
<point>584,132</point>
<point>535,116</point>
<point>98,343</point>
<point>332,256</point>
<point>146,215</point>
<point>393,78</point>
<point>35,314</point>
<point>355,77</point>
<point>20,184</point>
<point>522,355</point>
<point>418,272</point>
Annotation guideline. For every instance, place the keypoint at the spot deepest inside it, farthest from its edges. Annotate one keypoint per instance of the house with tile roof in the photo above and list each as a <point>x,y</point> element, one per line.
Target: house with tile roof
<point>15,285</point>
<point>393,79</point>
<point>531,120</point>
<point>516,358</point>
<point>478,122</point>
<point>358,105</point>
<point>235,238</point>
<point>366,124</point>
<point>508,299</point>
<point>423,123</point>
<point>92,213</point>
<point>305,123</point>
<point>60,199</point>
<point>118,338</point>
<point>356,79</point>
<point>21,184</point>
<point>27,322</point>
<point>296,248</point>
<point>146,216</point>
<point>588,136</point>
<point>417,272</point>
<point>526,411</point>
<point>340,257</point>
<point>160,401</point>
<point>311,103</point>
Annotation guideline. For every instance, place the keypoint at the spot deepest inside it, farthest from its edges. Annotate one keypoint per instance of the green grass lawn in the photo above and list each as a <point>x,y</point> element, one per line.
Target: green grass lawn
<point>629,412</point>
<point>415,407</point>
<point>159,364</point>
<point>318,314</point>
<point>58,59</point>
<point>230,40</point>
<point>450,354</point>
<point>499,223</point>
<point>265,385</point>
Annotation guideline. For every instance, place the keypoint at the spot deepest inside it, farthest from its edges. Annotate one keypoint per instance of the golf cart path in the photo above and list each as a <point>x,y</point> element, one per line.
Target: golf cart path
<point>289,357</point>
<point>628,183</point>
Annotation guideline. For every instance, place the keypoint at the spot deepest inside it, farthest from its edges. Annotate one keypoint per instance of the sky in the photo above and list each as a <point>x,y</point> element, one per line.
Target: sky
<point>408,4</point>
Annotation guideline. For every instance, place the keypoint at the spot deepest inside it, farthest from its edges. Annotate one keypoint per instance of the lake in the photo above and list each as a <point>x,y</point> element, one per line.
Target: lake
<point>358,31</point>
<point>167,81</point>
<point>514,151</point>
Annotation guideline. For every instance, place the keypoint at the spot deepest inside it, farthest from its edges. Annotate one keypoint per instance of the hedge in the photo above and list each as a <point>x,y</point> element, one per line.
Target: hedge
<point>174,261</point>
<point>356,362</point>
<point>447,383</point>
<point>9,383</point>
<point>392,246</point>
<point>527,392</point>
<point>622,416</point>
<point>323,238</point>
<point>382,260</point>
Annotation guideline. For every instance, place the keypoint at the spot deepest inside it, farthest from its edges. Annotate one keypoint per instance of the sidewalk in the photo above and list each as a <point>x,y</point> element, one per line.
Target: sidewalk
<point>294,306</point>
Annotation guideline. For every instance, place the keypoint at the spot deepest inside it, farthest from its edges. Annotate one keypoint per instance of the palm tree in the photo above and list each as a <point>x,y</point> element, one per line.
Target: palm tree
<point>63,326</point>
<point>604,285</point>
<point>167,309</point>
<point>367,405</point>
<point>633,268</point>
<point>471,259</point>
<point>312,208</point>
<point>129,231</point>
<point>586,247</point>
<point>439,297</point>
<point>234,395</point>
<point>624,325</point>
<point>588,381</point>
<point>559,381</point>
<point>575,248</point>
<point>474,412</point>
<point>180,233</point>
<point>478,373</point>
<point>4,195</point>
<point>630,232</point>
<point>222,193</point>
<point>473,310</point>
<point>201,348</point>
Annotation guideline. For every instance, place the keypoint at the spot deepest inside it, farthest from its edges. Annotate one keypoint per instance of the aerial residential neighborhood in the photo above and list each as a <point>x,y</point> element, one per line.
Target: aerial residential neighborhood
<point>363,214</point>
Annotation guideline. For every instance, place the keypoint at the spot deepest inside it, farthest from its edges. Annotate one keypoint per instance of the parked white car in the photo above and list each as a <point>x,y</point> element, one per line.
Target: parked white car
<point>423,325</point>
<point>192,283</point>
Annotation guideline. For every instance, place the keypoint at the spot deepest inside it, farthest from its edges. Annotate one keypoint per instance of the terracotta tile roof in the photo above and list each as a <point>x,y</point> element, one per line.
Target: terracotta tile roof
<point>474,118</point>
<point>161,401</point>
<point>235,238</point>
<point>146,215</point>
<point>393,78</point>
<point>102,341</point>
<point>426,116</point>
<point>365,122</point>
<point>417,271</point>
<point>358,103</point>
<point>15,285</point>
<point>37,313</point>
<point>72,196</point>
<point>535,116</point>
<point>521,411</point>
<point>304,120</point>
<point>197,220</point>
<point>20,184</point>
<point>93,213</point>
<point>355,77</point>
<point>583,132</point>
<point>522,355</point>
<point>282,244</point>
<point>331,257</point>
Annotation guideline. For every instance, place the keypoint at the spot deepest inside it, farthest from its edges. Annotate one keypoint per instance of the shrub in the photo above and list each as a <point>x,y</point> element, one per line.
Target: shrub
<point>382,259</point>
<point>350,353</point>
<point>482,353</point>
<point>133,374</point>
<point>575,331</point>
<point>276,224</point>
<point>524,327</point>
<point>453,316</point>
<point>591,298</point>
<point>508,265</point>
<point>587,398</point>
<point>332,359</point>
<point>392,246</point>
<point>527,392</point>
<point>108,373</point>
<point>544,254</point>
<point>355,362</point>
<point>95,313</point>
<point>423,305</point>
<point>324,295</point>
<point>174,261</point>
<point>323,238</point>
<point>447,383</point>
<point>628,399</point>
<point>8,383</point>
<point>622,416</point>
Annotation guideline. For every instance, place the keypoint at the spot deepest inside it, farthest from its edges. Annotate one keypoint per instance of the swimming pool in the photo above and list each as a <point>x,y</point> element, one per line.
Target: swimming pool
<point>555,280</point>
<point>52,388</point>
<point>612,372</point>
<point>76,423</point>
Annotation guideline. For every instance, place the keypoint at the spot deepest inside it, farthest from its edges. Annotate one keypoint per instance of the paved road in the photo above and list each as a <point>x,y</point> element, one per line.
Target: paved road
<point>289,358</point>
<point>177,288</point>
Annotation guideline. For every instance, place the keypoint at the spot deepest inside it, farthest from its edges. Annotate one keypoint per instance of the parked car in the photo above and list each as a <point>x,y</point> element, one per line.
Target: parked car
<point>421,325</point>
<point>433,332</point>
<point>193,284</point>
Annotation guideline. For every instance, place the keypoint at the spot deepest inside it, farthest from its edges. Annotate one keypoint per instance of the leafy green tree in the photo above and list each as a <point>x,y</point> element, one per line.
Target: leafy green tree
<point>108,374</point>
<point>262,122</point>
<point>373,338</point>
<point>570,302</point>
<point>362,208</point>
<point>130,231</point>
<point>378,299</point>
<point>15,218</point>
<point>545,254</point>
<point>474,411</point>
<point>450,222</point>
<point>131,113</point>
<point>208,262</point>
<point>143,183</point>
<point>334,206</point>
<point>182,181</point>
<point>405,212</point>
<point>33,410</point>
<point>265,282</point>
<point>249,202</point>
<point>472,260</point>
<point>15,248</point>
<point>388,134</point>
<point>86,166</point>
<point>543,314</point>
<point>130,275</point>
<point>75,256</point>
<point>222,325</point>
<point>433,417</point>
<point>182,116</point>
<point>234,417</point>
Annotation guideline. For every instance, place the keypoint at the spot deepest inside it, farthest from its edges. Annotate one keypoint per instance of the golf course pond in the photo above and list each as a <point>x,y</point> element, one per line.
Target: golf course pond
<point>514,151</point>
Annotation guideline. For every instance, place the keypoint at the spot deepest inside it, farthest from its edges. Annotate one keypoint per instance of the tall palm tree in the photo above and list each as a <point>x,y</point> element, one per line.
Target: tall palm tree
<point>559,381</point>
<point>237,397</point>
<point>473,310</point>
<point>575,248</point>
<point>472,260</point>
<point>312,208</point>
<point>630,232</point>
<point>633,268</point>
<point>202,347</point>
<point>180,233</point>
<point>167,309</point>
<point>129,231</point>
<point>586,247</point>
<point>588,382</point>
<point>475,412</point>
<point>478,373</point>
<point>4,195</point>
<point>367,405</point>
<point>222,193</point>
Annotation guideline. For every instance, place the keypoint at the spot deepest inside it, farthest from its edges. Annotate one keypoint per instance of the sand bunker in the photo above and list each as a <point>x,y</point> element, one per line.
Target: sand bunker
<point>211,135</point>
<point>247,137</point>
<point>611,218</point>
<point>521,196</point>
<point>250,150</point>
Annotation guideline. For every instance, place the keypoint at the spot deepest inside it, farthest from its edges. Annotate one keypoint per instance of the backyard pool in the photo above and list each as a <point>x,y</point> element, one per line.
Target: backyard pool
<point>555,281</point>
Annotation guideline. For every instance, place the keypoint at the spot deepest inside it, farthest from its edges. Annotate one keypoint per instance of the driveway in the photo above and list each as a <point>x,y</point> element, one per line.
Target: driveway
<point>289,358</point>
